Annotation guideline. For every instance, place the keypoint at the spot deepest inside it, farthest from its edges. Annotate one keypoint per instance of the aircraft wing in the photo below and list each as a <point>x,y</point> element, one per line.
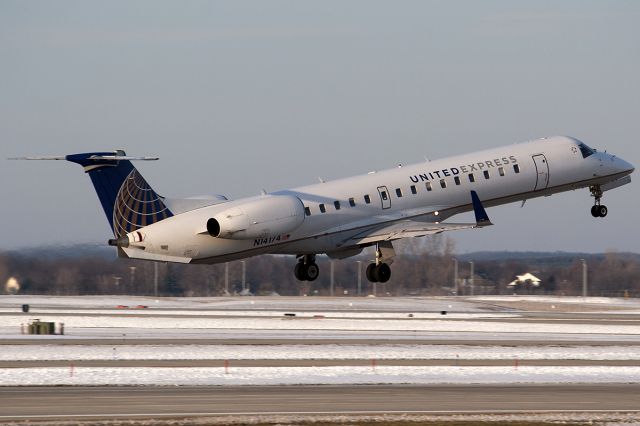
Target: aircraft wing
<point>414,228</point>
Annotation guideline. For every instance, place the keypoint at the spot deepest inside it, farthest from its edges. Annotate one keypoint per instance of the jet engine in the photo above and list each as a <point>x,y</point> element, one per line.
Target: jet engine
<point>269,215</point>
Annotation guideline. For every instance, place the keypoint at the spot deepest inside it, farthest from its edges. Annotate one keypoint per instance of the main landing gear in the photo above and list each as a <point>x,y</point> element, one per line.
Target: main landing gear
<point>306,269</point>
<point>379,271</point>
<point>598,210</point>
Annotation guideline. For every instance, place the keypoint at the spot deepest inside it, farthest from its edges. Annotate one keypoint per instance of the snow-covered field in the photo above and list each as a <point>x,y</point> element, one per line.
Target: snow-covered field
<point>395,320</point>
<point>198,376</point>
<point>313,352</point>
<point>299,324</point>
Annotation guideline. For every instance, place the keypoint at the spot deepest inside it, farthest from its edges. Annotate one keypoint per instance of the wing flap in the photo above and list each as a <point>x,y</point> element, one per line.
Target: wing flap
<point>406,229</point>
<point>413,228</point>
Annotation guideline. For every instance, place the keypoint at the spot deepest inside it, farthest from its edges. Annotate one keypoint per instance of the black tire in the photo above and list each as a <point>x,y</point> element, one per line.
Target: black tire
<point>602,211</point>
<point>383,272</point>
<point>300,271</point>
<point>312,271</point>
<point>371,275</point>
<point>595,212</point>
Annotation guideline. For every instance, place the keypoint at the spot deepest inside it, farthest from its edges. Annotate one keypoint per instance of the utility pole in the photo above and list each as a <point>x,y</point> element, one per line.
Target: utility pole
<point>584,278</point>
<point>155,279</point>
<point>226,278</point>
<point>331,287</point>
<point>133,277</point>
<point>455,276</point>
<point>359,262</point>
<point>471,280</point>
<point>244,275</point>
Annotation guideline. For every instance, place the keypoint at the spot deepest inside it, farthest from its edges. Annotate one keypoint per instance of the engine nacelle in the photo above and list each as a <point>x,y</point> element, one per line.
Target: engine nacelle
<point>269,215</point>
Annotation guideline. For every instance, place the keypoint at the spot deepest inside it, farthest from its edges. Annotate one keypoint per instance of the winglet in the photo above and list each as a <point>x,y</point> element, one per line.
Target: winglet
<point>482,219</point>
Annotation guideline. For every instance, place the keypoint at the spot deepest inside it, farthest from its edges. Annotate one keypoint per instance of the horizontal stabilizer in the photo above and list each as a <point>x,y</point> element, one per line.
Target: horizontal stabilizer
<point>91,157</point>
<point>127,199</point>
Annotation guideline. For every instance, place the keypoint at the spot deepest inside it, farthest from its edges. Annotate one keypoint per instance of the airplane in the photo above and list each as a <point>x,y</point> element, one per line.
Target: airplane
<point>340,218</point>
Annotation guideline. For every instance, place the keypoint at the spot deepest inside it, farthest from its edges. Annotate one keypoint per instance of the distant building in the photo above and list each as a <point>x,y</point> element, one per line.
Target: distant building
<point>525,281</point>
<point>12,286</point>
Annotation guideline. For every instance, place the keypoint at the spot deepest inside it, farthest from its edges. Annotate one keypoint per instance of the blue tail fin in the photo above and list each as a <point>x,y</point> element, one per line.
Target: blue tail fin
<point>126,197</point>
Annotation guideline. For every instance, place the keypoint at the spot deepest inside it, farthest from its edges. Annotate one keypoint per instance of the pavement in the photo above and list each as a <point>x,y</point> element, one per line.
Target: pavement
<point>86,404</point>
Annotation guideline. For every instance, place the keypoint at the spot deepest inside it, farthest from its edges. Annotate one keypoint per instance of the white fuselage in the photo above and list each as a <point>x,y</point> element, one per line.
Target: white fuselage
<point>427,192</point>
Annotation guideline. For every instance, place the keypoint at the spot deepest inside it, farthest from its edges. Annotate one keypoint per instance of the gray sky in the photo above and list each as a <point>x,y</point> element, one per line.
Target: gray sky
<point>236,96</point>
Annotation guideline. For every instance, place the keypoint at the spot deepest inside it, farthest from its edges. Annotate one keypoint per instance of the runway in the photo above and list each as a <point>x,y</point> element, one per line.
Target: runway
<point>142,402</point>
<point>310,357</point>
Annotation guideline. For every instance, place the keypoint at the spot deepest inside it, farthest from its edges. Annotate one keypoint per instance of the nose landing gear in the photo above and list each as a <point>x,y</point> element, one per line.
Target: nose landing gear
<point>598,210</point>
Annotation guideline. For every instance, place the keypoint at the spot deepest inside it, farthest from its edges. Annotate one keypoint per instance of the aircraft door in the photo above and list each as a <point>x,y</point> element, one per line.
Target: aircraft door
<point>542,169</point>
<point>385,197</point>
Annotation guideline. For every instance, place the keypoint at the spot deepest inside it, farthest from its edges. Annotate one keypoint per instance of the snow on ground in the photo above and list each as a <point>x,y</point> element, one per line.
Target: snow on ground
<point>264,314</point>
<point>369,304</point>
<point>615,301</point>
<point>133,335</point>
<point>294,323</point>
<point>340,318</point>
<point>314,375</point>
<point>316,352</point>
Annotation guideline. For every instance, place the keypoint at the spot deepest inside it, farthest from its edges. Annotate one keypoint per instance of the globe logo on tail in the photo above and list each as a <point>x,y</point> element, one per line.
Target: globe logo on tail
<point>137,205</point>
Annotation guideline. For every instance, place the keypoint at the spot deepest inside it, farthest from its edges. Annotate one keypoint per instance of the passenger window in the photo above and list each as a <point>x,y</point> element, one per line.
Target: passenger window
<point>472,178</point>
<point>367,199</point>
<point>501,171</point>
<point>384,195</point>
<point>399,192</point>
<point>428,186</point>
<point>413,189</point>
<point>443,183</point>
<point>307,211</point>
<point>322,209</point>
<point>516,168</point>
<point>337,205</point>
<point>456,179</point>
<point>486,174</point>
<point>352,202</point>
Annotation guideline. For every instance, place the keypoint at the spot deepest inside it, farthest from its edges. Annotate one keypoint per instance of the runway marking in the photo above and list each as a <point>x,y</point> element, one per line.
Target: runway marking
<point>286,413</point>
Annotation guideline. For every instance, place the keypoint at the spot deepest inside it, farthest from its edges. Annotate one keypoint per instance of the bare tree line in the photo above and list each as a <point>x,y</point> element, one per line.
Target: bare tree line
<point>422,267</point>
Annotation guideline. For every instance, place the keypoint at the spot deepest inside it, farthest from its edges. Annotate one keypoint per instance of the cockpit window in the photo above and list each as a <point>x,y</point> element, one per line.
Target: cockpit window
<point>585,150</point>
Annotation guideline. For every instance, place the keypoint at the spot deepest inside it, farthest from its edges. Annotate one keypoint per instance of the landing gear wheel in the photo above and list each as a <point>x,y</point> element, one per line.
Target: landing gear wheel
<point>312,272</point>
<point>378,273</point>
<point>602,211</point>
<point>300,271</point>
<point>383,272</point>
<point>598,210</point>
<point>371,274</point>
<point>306,269</point>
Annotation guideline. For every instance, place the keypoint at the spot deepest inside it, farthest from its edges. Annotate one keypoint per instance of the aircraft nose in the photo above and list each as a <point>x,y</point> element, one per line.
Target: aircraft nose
<point>624,166</point>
